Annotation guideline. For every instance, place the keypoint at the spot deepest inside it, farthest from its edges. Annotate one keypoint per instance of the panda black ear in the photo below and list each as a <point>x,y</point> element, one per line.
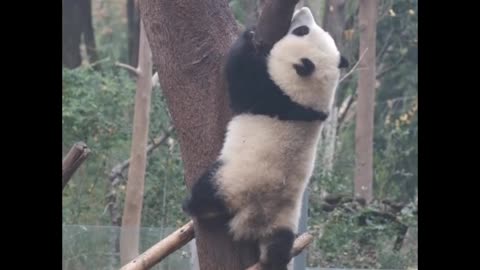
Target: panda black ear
<point>301,31</point>
<point>343,62</point>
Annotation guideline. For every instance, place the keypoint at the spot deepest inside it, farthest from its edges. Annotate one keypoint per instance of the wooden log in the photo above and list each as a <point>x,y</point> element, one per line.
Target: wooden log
<point>162,249</point>
<point>74,158</point>
<point>181,237</point>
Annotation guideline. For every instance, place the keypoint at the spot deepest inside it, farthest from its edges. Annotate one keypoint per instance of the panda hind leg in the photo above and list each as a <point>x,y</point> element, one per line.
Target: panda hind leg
<point>203,202</point>
<point>275,250</point>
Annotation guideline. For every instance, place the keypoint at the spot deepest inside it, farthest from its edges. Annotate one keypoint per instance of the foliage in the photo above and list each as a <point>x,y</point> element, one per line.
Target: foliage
<point>98,109</point>
<point>395,150</point>
<point>87,116</point>
<point>356,236</point>
<point>395,135</point>
<point>110,23</point>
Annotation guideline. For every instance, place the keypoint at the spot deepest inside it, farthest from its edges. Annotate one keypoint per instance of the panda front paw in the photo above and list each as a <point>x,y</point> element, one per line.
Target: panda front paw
<point>249,35</point>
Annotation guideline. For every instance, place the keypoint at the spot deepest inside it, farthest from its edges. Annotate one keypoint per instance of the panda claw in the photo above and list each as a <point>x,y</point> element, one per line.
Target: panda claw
<point>249,35</point>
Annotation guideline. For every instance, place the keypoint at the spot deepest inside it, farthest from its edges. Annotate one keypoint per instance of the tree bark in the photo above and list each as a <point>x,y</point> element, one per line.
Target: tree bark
<point>74,158</point>
<point>77,20</point>
<point>71,32</point>
<point>334,20</point>
<point>274,21</point>
<point>129,237</point>
<point>189,40</point>
<point>133,31</point>
<point>329,141</point>
<point>88,32</point>
<point>366,102</point>
<point>252,11</point>
<point>317,7</point>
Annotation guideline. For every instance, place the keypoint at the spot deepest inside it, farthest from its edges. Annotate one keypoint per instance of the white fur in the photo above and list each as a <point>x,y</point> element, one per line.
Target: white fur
<point>263,156</point>
<point>267,162</point>
<point>318,90</point>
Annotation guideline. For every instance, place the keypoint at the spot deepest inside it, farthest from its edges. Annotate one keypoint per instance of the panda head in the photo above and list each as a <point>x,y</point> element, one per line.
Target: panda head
<point>306,63</point>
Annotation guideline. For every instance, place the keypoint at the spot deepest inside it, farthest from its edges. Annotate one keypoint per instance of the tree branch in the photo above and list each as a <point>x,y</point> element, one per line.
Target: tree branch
<point>274,21</point>
<point>385,70</point>
<point>74,158</point>
<point>354,66</point>
<point>181,237</point>
<point>122,166</point>
<point>162,249</point>
<point>135,71</point>
<point>298,246</point>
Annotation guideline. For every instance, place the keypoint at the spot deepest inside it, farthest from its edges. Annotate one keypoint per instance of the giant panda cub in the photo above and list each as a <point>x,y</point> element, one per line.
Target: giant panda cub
<point>280,97</point>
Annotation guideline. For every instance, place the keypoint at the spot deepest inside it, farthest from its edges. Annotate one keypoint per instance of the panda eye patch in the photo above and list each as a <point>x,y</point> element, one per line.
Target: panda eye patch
<point>301,31</point>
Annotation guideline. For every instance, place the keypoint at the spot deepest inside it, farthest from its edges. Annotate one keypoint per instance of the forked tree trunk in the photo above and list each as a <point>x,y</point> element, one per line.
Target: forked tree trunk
<point>366,101</point>
<point>130,232</point>
<point>189,40</point>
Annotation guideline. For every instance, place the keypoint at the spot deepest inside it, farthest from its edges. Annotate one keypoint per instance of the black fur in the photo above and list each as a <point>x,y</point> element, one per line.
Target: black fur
<point>204,202</point>
<point>343,62</point>
<point>251,89</point>
<point>301,31</point>
<point>279,247</point>
<point>306,68</point>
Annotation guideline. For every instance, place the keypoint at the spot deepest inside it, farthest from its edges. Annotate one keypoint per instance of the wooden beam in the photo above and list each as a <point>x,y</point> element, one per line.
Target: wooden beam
<point>162,249</point>
<point>74,158</point>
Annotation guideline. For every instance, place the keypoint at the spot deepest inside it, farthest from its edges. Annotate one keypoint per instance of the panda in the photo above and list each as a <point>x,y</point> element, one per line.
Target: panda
<point>279,97</point>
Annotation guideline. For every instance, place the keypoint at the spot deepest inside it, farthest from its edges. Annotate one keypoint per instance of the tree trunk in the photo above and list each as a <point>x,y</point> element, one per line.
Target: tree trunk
<point>77,20</point>
<point>129,237</point>
<point>366,102</point>
<point>317,7</point>
<point>71,31</point>
<point>329,141</point>
<point>74,158</point>
<point>189,40</point>
<point>334,20</point>
<point>252,11</point>
<point>133,28</point>
<point>88,32</point>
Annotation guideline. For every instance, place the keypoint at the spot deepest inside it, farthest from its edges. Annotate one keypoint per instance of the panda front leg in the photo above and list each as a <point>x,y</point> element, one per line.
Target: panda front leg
<point>204,202</point>
<point>275,249</point>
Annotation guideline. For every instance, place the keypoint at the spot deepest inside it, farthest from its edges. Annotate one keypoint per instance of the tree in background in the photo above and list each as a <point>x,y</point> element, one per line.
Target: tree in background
<point>366,101</point>
<point>133,31</point>
<point>77,21</point>
<point>334,21</point>
<point>132,212</point>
